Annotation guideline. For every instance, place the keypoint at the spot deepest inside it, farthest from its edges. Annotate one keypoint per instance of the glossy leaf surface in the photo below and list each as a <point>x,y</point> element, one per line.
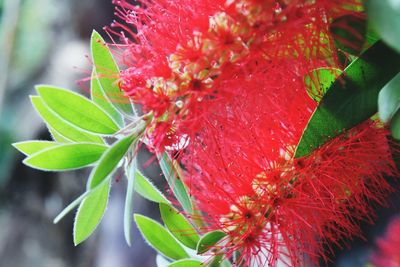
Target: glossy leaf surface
<point>109,161</point>
<point>66,157</point>
<point>389,99</point>
<point>32,147</point>
<point>107,73</point>
<point>352,98</point>
<point>159,238</point>
<point>175,183</point>
<point>90,212</point>
<point>209,240</point>
<point>98,96</point>
<point>77,110</point>
<point>186,263</point>
<point>148,190</point>
<point>179,226</point>
<point>60,127</point>
<point>384,16</point>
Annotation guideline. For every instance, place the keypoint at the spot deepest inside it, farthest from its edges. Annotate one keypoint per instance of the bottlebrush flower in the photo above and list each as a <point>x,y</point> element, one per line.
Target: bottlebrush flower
<point>242,175</point>
<point>228,76</point>
<point>178,53</point>
<point>389,247</point>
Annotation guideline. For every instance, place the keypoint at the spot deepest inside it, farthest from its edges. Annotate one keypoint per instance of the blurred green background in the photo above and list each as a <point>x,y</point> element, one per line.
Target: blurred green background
<point>47,42</point>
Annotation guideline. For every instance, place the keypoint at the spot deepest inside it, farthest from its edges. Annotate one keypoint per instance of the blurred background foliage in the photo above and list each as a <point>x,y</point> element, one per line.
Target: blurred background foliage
<point>45,41</point>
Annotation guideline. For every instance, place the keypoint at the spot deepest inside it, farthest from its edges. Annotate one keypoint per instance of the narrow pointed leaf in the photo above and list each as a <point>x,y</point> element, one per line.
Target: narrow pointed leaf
<point>66,156</point>
<point>99,97</point>
<point>371,37</point>
<point>352,98</point>
<point>90,213</point>
<point>389,99</point>
<point>77,110</point>
<point>395,127</point>
<point>32,147</point>
<point>217,261</point>
<point>109,161</point>
<point>186,263</point>
<point>56,136</point>
<point>108,73</point>
<point>209,240</point>
<point>70,207</point>
<point>179,226</point>
<point>175,183</point>
<point>74,204</point>
<point>63,128</point>
<point>147,190</point>
<point>128,211</point>
<point>159,238</point>
<point>384,16</point>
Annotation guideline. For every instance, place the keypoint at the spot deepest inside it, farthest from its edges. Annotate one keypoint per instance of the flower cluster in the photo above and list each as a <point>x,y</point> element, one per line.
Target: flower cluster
<point>274,208</point>
<point>227,76</point>
<point>179,53</point>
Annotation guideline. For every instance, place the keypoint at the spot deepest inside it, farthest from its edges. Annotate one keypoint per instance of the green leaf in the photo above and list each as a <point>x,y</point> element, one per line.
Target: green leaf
<point>159,238</point>
<point>128,211</point>
<point>56,136</point>
<point>109,161</point>
<point>349,33</point>
<point>32,147</point>
<point>318,81</point>
<point>108,73</point>
<point>63,128</point>
<point>389,99</point>
<point>179,226</point>
<point>90,213</point>
<point>218,261</point>
<point>71,206</point>
<point>186,263</point>
<point>147,190</point>
<point>352,99</point>
<point>384,16</point>
<point>371,37</point>
<point>99,97</point>
<point>209,240</point>
<point>175,183</point>
<point>395,127</point>
<point>66,156</point>
<point>77,110</point>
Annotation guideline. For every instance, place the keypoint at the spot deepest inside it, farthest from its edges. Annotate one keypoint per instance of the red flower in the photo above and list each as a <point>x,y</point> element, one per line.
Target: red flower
<point>178,53</point>
<point>389,247</point>
<point>241,172</point>
<point>228,77</point>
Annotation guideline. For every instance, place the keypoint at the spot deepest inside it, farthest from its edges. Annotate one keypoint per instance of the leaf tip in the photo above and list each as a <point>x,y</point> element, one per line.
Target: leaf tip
<point>15,145</point>
<point>96,38</point>
<point>40,88</point>
<point>94,33</point>
<point>137,216</point>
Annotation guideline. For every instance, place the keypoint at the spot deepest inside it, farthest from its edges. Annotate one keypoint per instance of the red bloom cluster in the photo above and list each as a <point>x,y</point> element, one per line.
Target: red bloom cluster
<point>228,77</point>
<point>241,171</point>
<point>389,247</point>
<point>178,53</point>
